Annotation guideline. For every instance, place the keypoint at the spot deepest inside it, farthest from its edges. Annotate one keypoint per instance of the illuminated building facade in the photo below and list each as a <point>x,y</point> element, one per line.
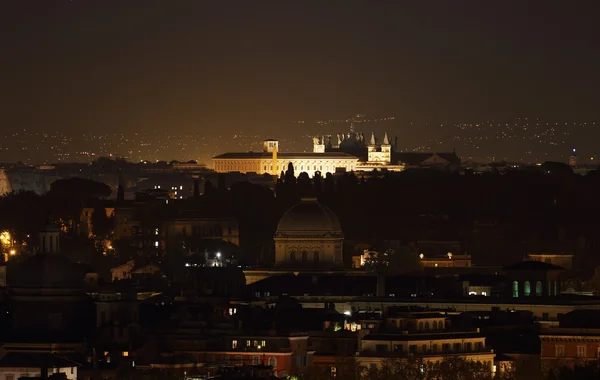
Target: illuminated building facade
<point>271,161</point>
<point>352,152</point>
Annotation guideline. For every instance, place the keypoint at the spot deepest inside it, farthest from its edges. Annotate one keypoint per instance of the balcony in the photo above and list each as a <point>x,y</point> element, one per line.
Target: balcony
<point>241,349</point>
<point>403,354</point>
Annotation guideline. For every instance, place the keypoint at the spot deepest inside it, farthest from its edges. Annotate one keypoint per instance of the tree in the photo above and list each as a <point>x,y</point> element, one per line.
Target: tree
<point>80,188</point>
<point>402,260</point>
<point>101,223</point>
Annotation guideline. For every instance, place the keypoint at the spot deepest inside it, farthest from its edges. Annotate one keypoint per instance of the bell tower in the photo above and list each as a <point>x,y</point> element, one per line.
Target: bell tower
<point>386,149</point>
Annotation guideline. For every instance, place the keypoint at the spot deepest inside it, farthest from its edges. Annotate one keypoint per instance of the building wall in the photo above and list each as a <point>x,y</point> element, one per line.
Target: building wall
<point>124,222</point>
<point>565,261</point>
<point>289,252</point>
<point>16,373</point>
<point>567,349</point>
<point>225,229</point>
<point>309,165</point>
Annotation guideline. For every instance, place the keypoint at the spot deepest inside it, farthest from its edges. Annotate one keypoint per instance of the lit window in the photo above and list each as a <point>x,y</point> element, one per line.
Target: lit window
<point>234,344</point>
<point>156,244</point>
<point>581,351</point>
<point>263,343</point>
<point>125,353</point>
<point>180,187</point>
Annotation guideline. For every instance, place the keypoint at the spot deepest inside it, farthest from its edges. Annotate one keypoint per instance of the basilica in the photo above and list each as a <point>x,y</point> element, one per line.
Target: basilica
<point>344,152</point>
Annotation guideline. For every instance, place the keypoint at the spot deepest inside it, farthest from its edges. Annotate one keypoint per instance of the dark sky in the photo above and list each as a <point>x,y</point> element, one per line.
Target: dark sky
<point>191,65</point>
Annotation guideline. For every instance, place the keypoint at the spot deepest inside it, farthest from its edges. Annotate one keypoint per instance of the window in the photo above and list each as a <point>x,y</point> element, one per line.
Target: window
<point>238,359</point>
<point>292,256</point>
<point>316,257</point>
<point>413,348</point>
<point>247,343</point>
<point>538,289</point>
<point>10,377</point>
<point>234,344</point>
<point>527,289</point>
<point>263,343</point>
<point>333,371</point>
<point>125,354</point>
<point>273,362</point>
<point>427,325</point>
<point>515,289</point>
<point>560,351</point>
<point>581,351</point>
<point>255,360</point>
<point>420,325</point>
<point>435,325</point>
<point>304,256</point>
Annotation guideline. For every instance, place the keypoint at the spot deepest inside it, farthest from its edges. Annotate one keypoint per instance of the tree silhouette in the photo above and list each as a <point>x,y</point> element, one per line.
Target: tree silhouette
<point>101,223</point>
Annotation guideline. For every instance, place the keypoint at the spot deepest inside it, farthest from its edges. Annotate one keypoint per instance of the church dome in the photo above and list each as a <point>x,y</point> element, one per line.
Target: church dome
<point>47,271</point>
<point>309,217</point>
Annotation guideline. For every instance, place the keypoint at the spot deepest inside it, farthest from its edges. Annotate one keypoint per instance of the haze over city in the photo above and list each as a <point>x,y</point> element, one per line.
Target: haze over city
<point>222,75</point>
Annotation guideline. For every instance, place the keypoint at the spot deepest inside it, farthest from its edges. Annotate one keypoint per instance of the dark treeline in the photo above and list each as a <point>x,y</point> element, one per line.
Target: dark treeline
<point>496,217</point>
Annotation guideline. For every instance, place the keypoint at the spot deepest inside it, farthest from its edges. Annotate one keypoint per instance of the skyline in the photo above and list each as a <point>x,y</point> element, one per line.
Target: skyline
<point>525,140</point>
<point>211,68</point>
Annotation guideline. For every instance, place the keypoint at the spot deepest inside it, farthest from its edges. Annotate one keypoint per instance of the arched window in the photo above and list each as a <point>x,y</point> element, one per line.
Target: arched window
<point>316,257</point>
<point>427,325</point>
<point>293,256</point>
<point>420,325</point>
<point>435,325</point>
<point>304,256</point>
<point>265,168</point>
<point>538,289</point>
<point>527,289</point>
<point>515,289</point>
<point>273,362</point>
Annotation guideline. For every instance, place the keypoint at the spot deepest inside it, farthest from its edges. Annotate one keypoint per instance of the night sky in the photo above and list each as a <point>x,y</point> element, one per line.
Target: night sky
<point>134,65</point>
